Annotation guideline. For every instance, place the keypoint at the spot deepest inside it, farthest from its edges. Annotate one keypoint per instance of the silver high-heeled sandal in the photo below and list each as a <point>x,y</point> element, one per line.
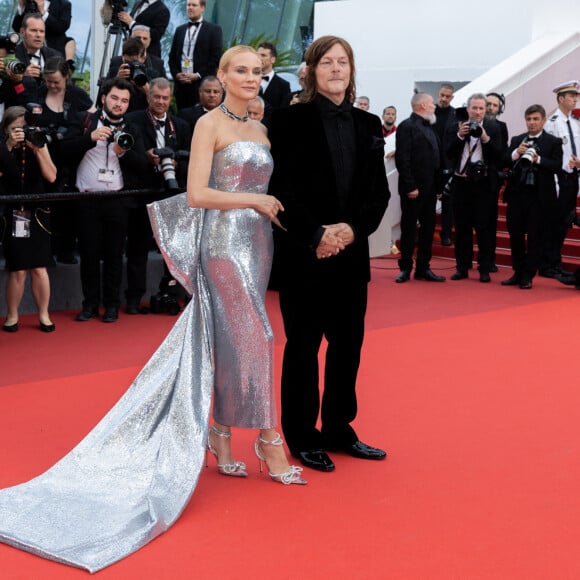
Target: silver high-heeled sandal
<point>235,469</point>
<point>293,475</point>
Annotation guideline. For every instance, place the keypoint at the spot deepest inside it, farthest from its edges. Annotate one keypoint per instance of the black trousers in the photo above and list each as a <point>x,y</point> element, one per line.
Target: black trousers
<point>526,215</point>
<point>422,210</point>
<point>446,217</point>
<point>139,242</point>
<point>102,230</point>
<point>474,205</point>
<point>556,220</point>
<point>312,310</point>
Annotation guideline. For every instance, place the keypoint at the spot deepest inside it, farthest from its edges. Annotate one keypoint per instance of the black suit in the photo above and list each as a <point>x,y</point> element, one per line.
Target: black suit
<point>191,115</point>
<point>139,234</point>
<point>102,222</point>
<point>156,17</point>
<point>445,127</point>
<point>206,57</point>
<point>328,296</point>
<point>474,202</point>
<point>56,24</point>
<point>417,159</point>
<point>529,205</point>
<point>276,96</point>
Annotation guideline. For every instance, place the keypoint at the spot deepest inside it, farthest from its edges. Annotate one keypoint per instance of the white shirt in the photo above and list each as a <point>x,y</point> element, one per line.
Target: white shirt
<point>264,83</point>
<point>556,125</point>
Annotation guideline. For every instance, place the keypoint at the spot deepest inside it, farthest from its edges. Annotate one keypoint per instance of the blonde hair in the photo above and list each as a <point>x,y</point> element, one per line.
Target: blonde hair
<point>232,52</point>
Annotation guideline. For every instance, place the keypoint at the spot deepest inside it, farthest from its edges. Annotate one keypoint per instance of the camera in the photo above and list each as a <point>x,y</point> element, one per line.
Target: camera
<point>110,12</point>
<point>167,155</point>
<point>528,157</point>
<point>124,140</point>
<point>164,303</point>
<point>12,64</point>
<point>40,136</point>
<point>476,171</point>
<point>475,129</point>
<point>138,73</point>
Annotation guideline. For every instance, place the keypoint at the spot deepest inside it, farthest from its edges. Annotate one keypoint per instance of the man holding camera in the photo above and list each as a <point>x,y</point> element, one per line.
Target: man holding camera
<point>475,151</point>
<point>534,157</point>
<point>166,139</point>
<point>108,154</point>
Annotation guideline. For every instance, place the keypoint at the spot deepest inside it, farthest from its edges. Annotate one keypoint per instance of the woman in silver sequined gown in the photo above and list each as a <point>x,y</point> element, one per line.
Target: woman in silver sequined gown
<point>134,473</point>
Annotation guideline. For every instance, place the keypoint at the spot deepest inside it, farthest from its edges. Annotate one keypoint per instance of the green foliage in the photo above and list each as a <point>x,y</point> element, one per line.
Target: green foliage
<point>284,58</point>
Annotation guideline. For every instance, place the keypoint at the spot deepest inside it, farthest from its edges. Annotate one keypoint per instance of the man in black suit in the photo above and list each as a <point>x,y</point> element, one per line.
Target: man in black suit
<point>195,53</point>
<point>151,13</point>
<point>211,94</point>
<point>33,53</point>
<point>418,162</point>
<point>274,89</point>
<point>535,158</point>
<point>330,177</point>
<point>158,130</point>
<point>56,15</point>
<point>100,162</point>
<point>476,150</point>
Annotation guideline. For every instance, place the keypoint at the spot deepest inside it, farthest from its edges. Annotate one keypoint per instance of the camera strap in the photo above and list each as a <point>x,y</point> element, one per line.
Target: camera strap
<point>462,172</point>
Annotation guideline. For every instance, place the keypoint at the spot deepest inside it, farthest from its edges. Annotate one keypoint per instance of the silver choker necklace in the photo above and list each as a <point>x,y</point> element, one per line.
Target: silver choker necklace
<point>232,115</point>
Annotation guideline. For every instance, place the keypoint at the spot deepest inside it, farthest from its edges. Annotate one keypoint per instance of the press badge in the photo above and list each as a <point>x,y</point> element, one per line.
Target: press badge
<point>106,175</point>
<point>186,65</point>
<point>21,223</point>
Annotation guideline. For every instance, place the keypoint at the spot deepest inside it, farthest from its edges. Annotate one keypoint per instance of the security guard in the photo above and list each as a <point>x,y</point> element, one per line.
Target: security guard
<point>564,125</point>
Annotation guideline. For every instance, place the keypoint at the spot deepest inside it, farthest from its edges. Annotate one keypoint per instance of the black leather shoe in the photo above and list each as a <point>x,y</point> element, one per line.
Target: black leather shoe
<point>513,281</point>
<point>47,327</point>
<point>445,241</point>
<point>459,275</point>
<point>429,276</point>
<point>493,269</point>
<point>315,459</point>
<point>11,327</point>
<point>87,313</point>
<point>363,451</point>
<point>404,276</point>
<point>111,314</point>
<point>525,284</point>
<point>484,277</point>
<point>132,308</point>
<point>550,272</point>
<point>569,280</point>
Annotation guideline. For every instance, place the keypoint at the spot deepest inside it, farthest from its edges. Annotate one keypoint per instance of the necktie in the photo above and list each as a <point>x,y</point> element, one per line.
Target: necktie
<point>572,144</point>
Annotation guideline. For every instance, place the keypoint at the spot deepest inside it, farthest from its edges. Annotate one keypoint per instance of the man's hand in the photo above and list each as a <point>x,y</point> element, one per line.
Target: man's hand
<point>126,19</point>
<point>332,241</point>
<point>574,162</point>
<point>186,78</point>
<point>413,194</point>
<point>101,134</point>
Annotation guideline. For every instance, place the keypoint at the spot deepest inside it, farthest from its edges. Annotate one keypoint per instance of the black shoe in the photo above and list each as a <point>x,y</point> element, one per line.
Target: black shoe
<point>404,276</point>
<point>525,284</point>
<point>87,313</point>
<point>493,269</point>
<point>429,276</point>
<point>513,281</point>
<point>11,327</point>
<point>484,277</point>
<point>132,308</point>
<point>47,327</point>
<point>445,241</point>
<point>550,272</point>
<point>315,459</point>
<point>568,280</point>
<point>459,275</point>
<point>111,314</point>
<point>361,450</point>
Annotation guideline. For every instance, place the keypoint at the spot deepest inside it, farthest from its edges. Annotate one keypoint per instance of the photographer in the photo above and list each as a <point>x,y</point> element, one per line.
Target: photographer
<point>475,151</point>
<point>108,154</point>
<point>162,134</point>
<point>131,66</point>
<point>56,15</point>
<point>535,158</point>
<point>10,81</point>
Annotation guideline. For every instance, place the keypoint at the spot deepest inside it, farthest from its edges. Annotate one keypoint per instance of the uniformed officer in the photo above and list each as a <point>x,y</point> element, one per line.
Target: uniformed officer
<point>564,125</point>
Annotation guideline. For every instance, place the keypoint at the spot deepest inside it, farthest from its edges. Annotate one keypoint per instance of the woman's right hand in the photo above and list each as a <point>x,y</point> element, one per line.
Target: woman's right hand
<point>15,137</point>
<point>268,205</point>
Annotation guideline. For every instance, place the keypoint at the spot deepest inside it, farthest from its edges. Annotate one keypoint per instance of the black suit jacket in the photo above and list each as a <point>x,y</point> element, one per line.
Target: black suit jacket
<point>177,137</point>
<point>304,181</point>
<point>56,23</point>
<point>550,151</point>
<point>417,156</point>
<point>206,55</point>
<point>276,95</point>
<point>78,142</point>
<point>191,115</point>
<point>156,17</point>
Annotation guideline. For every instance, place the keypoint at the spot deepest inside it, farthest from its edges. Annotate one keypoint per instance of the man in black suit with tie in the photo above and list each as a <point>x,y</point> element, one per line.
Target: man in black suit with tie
<point>475,150</point>
<point>418,162</point>
<point>151,13</point>
<point>274,89</point>
<point>195,53</point>
<point>56,15</point>
<point>211,94</point>
<point>158,130</point>
<point>535,158</point>
<point>329,175</point>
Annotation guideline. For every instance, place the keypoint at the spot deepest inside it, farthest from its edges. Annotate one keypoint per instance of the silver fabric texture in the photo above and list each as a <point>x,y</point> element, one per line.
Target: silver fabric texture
<point>132,476</point>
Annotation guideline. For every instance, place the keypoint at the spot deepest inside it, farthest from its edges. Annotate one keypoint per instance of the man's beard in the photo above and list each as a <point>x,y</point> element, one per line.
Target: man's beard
<point>112,116</point>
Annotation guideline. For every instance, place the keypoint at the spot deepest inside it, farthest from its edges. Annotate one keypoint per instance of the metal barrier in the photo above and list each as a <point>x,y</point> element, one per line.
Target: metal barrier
<point>77,195</point>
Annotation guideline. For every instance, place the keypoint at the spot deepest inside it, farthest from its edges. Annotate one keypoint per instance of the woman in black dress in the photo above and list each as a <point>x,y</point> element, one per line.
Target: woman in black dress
<point>26,226</point>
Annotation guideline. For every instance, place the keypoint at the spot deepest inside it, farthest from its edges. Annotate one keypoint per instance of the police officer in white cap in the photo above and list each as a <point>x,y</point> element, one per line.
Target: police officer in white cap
<point>564,125</point>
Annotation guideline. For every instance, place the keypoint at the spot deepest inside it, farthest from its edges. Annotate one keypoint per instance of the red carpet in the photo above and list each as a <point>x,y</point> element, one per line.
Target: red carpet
<point>470,387</point>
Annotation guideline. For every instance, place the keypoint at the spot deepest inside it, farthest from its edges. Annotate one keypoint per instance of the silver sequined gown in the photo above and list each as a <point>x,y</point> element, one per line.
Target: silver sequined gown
<point>134,473</point>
